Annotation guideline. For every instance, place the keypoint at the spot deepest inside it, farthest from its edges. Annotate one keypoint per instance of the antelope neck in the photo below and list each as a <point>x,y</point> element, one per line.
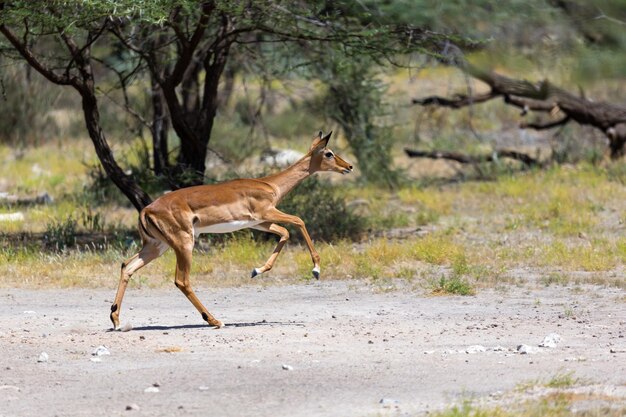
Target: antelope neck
<point>286,180</point>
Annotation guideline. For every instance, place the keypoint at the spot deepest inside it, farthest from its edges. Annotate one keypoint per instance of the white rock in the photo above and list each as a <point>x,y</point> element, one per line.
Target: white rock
<point>12,217</point>
<point>204,388</point>
<point>131,407</point>
<point>96,359</point>
<point>475,349</point>
<point>101,351</point>
<point>151,389</point>
<point>551,340</point>
<point>287,367</point>
<point>30,312</point>
<point>282,158</point>
<point>389,402</point>
<point>527,349</point>
<point>43,357</point>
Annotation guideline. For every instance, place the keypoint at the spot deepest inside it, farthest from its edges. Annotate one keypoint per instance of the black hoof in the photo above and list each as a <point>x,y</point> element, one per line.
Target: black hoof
<point>316,274</point>
<point>254,273</point>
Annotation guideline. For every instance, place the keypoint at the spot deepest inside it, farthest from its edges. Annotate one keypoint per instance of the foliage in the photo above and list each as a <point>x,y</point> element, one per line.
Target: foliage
<point>354,100</point>
<point>325,214</point>
<point>61,234</point>
<point>26,105</point>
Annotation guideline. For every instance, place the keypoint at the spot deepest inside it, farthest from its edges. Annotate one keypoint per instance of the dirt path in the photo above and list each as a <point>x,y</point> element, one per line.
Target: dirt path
<point>346,347</point>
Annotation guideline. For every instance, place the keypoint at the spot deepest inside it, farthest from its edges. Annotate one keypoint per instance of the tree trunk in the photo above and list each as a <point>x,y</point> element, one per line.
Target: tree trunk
<point>160,127</point>
<point>137,196</point>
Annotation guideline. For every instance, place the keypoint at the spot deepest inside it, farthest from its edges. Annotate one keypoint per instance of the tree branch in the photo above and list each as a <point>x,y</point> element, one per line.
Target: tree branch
<point>32,60</point>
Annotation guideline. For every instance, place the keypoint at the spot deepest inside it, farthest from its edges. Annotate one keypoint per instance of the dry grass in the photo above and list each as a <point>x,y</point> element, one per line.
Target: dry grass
<point>563,395</point>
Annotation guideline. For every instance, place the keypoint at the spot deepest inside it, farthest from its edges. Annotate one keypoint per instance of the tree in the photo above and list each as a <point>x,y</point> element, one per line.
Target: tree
<point>185,46</point>
<point>39,19</point>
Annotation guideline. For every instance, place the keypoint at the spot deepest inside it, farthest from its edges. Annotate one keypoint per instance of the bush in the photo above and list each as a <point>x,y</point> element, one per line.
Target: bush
<point>61,235</point>
<point>325,214</point>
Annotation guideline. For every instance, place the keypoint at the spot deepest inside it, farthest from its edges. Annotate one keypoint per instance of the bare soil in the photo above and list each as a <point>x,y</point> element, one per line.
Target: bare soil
<point>345,346</point>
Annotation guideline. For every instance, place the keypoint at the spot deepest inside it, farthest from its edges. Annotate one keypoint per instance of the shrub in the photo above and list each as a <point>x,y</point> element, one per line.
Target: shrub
<point>61,234</point>
<point>452,285</point>
<point>325,214</point>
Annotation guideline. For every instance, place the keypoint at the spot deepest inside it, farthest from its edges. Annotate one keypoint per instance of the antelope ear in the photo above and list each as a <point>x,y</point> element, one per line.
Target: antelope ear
<point>320,142</point>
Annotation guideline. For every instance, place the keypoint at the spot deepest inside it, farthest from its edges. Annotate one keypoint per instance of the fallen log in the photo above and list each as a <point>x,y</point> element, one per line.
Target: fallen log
<point>544,97</point>
<point>462,158</point>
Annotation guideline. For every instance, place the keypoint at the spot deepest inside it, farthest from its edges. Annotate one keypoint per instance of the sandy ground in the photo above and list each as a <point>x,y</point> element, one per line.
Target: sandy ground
<point>346,347</point>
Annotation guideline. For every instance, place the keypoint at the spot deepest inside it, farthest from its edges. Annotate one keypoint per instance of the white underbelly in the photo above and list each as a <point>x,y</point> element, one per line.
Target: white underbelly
<point>226,227</point>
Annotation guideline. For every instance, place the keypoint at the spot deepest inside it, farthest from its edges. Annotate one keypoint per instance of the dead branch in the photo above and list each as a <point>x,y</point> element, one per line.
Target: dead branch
<point>457,102</point>
<point>474,159</point>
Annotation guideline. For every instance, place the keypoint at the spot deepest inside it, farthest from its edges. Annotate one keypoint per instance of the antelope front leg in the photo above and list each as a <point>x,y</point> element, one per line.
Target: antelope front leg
<point>284,236</point>
<point>277,216</point>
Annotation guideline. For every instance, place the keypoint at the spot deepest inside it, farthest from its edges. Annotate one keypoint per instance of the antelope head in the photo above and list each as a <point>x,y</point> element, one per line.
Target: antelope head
<point>324,159</point>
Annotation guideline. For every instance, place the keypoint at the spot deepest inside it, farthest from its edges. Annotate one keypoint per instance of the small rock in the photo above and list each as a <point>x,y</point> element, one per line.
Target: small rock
<point>133,406</point>
<point>151,389</point>
<point>429,352</point>
<point>389,403</point>
<point>618,350</point>
<point>204,388</point>
<point>287,367</point>
<point>475,349</point>
<point>527,349</point>
<point>100,351</point>
<point>96,359</point>
<point>43,357</point>
<point>551,340</point>
<point>30,312</point>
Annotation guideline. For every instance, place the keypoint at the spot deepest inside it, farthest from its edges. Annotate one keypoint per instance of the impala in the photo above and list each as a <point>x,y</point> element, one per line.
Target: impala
<point>175,219</point>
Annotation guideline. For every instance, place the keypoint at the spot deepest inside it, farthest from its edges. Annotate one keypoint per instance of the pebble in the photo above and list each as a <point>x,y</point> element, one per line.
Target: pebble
<point>389,403</point>
<point>618,350</point>
<point>151,389</point>
<point>551,340</point>
<point>133,406</point>
<point>100,351</point>
<point>96,359</point>
<point>204,388</point>
<point>43,357</point>
<point>287,367</point>
<point>499,349</point>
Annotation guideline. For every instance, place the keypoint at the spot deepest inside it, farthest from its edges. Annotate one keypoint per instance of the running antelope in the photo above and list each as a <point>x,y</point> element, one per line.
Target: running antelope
<point>175,219</point>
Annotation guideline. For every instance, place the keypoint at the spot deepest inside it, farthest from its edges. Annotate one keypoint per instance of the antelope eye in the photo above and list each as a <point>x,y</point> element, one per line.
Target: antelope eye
<point>328,154</point>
